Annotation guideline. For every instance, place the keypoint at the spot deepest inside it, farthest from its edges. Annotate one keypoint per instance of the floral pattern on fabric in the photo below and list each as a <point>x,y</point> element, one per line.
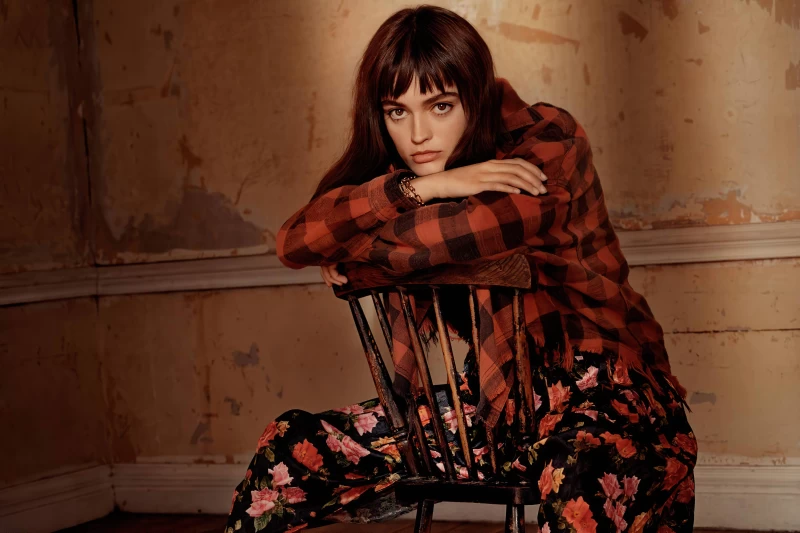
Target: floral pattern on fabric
<point>607,454</point>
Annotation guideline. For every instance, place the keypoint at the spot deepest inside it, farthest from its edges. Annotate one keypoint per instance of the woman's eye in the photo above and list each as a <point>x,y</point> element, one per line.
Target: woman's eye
<point>393,116</point>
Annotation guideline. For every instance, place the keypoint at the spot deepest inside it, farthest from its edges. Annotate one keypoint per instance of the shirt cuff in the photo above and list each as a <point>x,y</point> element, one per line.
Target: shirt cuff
<point>385,197</point>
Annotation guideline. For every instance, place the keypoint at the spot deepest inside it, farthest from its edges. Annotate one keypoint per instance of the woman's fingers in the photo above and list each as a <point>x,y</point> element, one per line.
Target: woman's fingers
<point>527,171</point>
<point>324,274</point>
<point>330,275</point>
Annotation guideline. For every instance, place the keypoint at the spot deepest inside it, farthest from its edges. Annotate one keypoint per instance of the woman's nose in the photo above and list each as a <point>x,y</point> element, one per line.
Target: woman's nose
<point>420,130</point>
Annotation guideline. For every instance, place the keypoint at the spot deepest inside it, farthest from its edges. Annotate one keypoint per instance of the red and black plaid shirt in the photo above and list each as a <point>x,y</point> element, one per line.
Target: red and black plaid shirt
<point>581,298</point>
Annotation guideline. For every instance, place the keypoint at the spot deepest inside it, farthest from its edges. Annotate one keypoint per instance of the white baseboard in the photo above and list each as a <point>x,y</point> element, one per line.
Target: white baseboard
<point>58,501</point>
<point>761,498</point>
<point>772,240</point>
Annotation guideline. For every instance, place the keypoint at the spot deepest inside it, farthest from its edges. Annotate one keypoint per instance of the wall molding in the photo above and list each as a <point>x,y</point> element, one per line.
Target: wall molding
<point>648,247</point>
<point>759,498</point>
<point>58,501</point>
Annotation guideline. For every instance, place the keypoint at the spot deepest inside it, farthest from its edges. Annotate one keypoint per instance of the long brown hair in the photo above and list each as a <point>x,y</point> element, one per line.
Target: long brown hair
<point>440,48</point>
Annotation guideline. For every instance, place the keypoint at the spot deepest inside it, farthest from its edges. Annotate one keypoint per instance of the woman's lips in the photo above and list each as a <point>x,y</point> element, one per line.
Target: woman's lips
<point>425,158</point>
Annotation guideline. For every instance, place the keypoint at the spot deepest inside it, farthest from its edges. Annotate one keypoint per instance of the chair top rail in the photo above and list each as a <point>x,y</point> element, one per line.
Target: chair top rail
<point>512,271</point>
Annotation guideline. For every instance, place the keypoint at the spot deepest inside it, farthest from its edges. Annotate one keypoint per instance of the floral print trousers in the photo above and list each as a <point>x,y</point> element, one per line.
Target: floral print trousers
<point>604,459</point>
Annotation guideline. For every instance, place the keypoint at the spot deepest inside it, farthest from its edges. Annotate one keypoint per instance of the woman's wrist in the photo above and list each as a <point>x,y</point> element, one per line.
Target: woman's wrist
<point>424,187</point>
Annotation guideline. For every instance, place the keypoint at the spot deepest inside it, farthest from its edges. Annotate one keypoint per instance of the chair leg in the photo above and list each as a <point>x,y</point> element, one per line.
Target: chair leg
<point>424,517</point>
<point>515,518</point>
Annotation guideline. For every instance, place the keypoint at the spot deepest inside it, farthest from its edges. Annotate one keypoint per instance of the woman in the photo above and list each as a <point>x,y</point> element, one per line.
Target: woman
<point>448,165</point>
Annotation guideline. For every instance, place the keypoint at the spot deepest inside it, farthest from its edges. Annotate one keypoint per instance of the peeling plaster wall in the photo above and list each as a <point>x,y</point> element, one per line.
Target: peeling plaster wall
<point>212,111</point>
<point>198,376</point>
<point>43,186</point>
<point>52,404</point>
<point>210,123</point>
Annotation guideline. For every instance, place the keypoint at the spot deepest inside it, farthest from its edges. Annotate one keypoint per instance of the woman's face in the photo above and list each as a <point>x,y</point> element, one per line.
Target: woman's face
<point>425,122</point>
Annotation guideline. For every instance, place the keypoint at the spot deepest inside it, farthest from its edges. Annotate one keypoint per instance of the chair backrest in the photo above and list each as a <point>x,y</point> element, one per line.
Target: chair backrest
<point>366,280</point>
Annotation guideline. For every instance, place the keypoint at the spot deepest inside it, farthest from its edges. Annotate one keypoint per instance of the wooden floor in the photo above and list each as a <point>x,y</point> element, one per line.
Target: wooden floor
<point>162,523</point>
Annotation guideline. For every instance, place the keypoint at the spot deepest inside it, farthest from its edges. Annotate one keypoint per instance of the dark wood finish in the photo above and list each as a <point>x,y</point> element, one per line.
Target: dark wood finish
<point>453,381</point>
<point>515,519</point>
<point>415,489</point>
<point>425,486</point>
<point>380,376</point>
<point>512,271</point>
<point>424,519</point>
<point>525,408</point>
<point>427,384</point>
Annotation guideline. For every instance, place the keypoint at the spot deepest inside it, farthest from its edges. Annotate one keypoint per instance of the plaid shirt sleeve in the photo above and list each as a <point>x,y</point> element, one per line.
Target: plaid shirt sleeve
<point>338,225</point>
<point>492,224</point>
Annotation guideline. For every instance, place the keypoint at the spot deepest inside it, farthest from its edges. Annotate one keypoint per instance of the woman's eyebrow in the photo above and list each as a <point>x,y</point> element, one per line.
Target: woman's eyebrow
<point>426,102</point>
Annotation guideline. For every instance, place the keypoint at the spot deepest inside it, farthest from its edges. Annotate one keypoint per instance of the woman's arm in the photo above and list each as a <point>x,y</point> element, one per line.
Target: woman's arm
<point>338,225</point>
<point>493,224</point>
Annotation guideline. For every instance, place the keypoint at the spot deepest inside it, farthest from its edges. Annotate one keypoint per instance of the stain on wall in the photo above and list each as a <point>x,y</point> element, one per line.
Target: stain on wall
<point>197,151</point>
<point>208,124</point>
<point>43,183</point>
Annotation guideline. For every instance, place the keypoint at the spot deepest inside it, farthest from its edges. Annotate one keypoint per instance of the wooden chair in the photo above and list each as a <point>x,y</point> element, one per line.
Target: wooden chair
<point>427,485</point>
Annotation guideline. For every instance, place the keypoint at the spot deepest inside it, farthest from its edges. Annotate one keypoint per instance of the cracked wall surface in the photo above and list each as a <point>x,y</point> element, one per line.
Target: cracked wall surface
<point>209,123</point>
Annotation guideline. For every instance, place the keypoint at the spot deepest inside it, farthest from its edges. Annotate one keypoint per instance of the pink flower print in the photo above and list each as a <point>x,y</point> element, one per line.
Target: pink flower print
<point>589,379</point>
<point>439,465</point>
<point>621,374</point>
<point>365,423</point>
<point>269,433</point>
<point>306,454</point>
<point>537,401</point>
<point>424,415</point>
<point>586,438</point>
<point>353,493</point>
<point>435,454</point>
<point>546,528</point>
<point>675,471</point>
<point>559,395</point>
<point>687,443</point>
<point>469,412</point>
<point>631,485</point>
<point>546,480</point>
<point>510,412</point>
<point>548,423</point>
<point>293,494</point>
<point>263,501</point>
<point>333,444</point>
<point>631,396</point>
<point>378,409</point>
<point>577,513</point>
<point>462,473</point>
<point>519,466</point>
<point>479,452</point>
<point>354,409</point>
<point>330,429</point>
<point>625,448</point>
<point>464,383</point>
<point>615,511</point>
<point>249,474</point>
<point>352,450</point>
<point>451,420</point>
<point>610,485</point>
<point>280,475</point>
<point>591,413</point>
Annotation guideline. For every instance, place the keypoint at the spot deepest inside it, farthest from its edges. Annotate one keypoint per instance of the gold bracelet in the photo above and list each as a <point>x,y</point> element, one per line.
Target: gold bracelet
<point>408,189</point>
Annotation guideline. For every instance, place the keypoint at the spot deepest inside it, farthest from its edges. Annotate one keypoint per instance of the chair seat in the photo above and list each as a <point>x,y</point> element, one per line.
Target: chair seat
<point>415,489</point>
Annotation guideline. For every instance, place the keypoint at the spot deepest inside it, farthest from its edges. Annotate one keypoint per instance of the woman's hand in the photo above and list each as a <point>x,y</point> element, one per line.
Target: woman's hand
<point>508,175</point>
<point>330,275</point>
